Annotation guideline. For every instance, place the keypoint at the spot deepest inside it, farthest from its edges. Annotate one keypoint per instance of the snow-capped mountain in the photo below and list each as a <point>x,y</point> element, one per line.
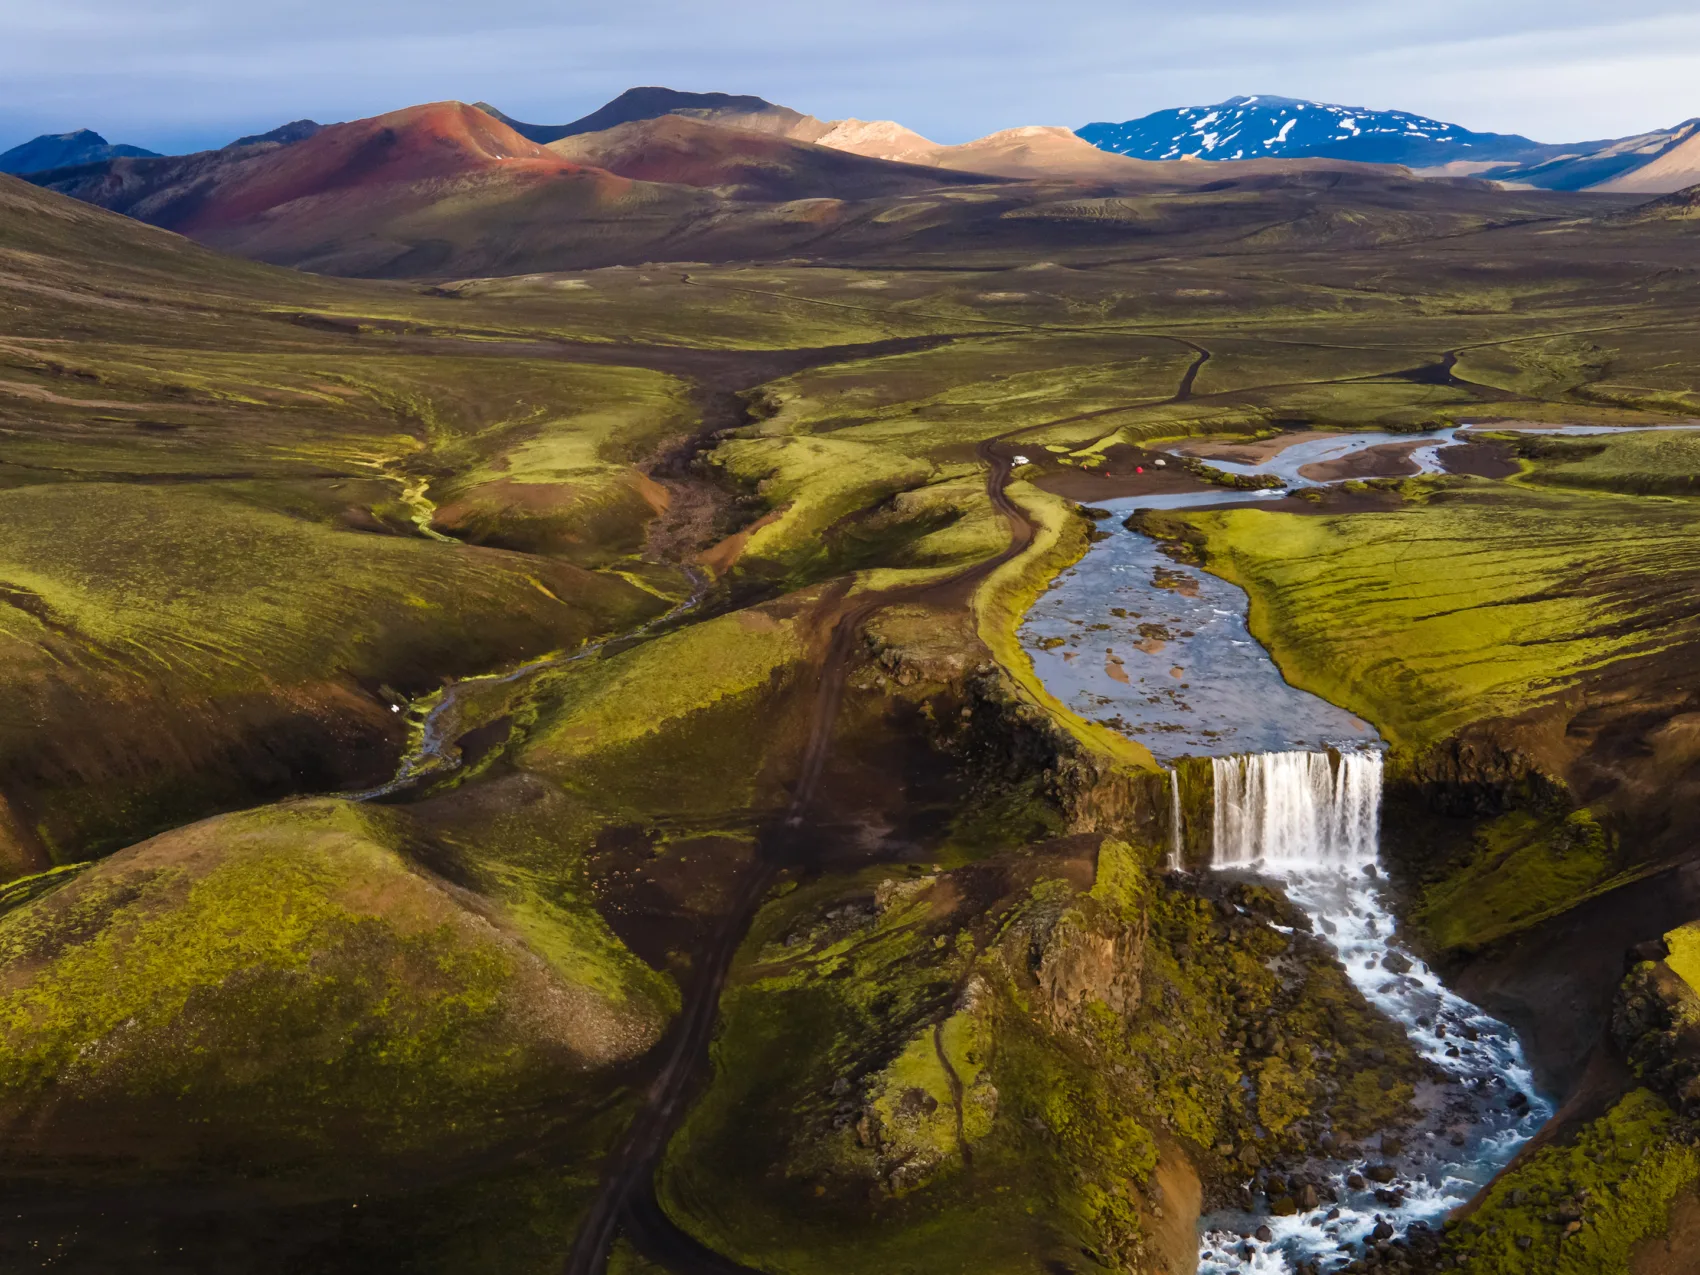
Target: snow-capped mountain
<point>1263,127</point>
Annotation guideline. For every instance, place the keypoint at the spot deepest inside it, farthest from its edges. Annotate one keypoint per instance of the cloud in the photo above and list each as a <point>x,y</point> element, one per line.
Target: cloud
<point>177,74</point>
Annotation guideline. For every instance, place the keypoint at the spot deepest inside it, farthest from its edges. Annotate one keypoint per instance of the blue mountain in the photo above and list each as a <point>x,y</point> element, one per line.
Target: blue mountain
<point>63,150</point>
<point>1264,127</point>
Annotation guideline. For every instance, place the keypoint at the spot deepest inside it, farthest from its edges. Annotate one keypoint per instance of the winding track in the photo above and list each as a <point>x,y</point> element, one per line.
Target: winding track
<point>626,1198</point>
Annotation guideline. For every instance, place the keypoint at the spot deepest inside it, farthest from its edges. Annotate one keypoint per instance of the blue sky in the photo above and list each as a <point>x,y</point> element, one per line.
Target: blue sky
<point>183,74</point>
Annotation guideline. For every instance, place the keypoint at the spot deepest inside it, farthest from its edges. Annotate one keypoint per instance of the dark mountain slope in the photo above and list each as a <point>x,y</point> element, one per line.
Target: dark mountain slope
<point>734,110</point>
<point>285,134</point>
<point>60,150</point>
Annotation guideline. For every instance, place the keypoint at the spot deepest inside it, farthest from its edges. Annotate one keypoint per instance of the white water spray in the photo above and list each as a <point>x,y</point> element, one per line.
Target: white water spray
<point>1312,820</point>
<point>1300,809</point>
<point>1177,857</point>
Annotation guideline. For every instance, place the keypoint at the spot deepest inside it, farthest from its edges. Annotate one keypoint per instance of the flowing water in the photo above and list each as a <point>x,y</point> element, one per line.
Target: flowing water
<point>1296,797</point>
<point>1310,821</point>
<point>438,717</point>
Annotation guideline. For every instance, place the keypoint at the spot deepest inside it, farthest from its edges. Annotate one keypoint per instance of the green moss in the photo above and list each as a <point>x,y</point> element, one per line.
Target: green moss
<point>810,483</point>
<point>1005,596</point>
<point>1523,867</point>
<point>1684,947</point>
<point>169,650</point>
<point>20,890</point>
<point>1583,1206</point>
<point>626,1260</point>
<point>1540,368</point>
<point>634,694</point>
<point>1473,601</point>
<point>285,982</point>
<point>1085,1018</point>
<point>1637,463</point>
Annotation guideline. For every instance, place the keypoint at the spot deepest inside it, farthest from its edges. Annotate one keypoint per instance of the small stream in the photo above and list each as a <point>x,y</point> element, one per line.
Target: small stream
<point>1161,652</point>
<point>433,753</point>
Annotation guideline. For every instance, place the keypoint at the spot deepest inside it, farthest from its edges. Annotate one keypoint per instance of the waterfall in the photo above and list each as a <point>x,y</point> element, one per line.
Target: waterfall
<point>1309,809</point>
<point>1177,855</point>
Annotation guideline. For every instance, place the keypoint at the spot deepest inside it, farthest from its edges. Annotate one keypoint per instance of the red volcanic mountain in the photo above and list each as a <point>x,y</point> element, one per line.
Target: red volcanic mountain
<point>422,146</point>
<point>442,187</point>
<point>743,164</point>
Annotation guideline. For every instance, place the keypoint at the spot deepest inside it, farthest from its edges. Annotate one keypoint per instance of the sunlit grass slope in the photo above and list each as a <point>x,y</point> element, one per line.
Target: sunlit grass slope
<point>1471,602</point>
<point>289,981</point>
<point>171,649</point>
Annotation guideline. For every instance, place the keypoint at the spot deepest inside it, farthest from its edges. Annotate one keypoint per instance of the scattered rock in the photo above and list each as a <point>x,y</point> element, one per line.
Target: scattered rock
<point>1395,963</point>
<point>1381,1173</point>
<point>1263,1235</point>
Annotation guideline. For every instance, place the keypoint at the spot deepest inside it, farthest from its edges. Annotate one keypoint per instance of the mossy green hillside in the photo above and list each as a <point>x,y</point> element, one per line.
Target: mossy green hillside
<point>522,452</point>
<point>1684,947</point>
<point>977,1069</point>
<point>925,403</point>
<point>634,694</point>
<point>1003,597</point>
<point>1634,462</point>
<point>1581,1207</point>
<point>184,649</point>
<point>809,484</point>
<point>1541,367</point>
<point>943,527</point>
<point>286,985</point>
<point>562,476</point>
<point>1470,601</point>
<point>1521,868</point>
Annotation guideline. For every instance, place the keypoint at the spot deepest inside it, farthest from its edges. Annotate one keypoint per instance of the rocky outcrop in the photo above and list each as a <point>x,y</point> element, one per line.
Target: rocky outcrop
<point>1656,1023</point>
<point>1087,960</point>
<point>998,736</point>
<point>1482,771</point>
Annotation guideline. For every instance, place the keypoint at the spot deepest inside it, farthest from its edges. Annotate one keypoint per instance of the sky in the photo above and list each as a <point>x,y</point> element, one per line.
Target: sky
<point>179,75</point>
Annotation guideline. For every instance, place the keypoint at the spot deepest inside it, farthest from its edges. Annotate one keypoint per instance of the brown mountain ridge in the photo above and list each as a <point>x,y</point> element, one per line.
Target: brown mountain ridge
<point>743,164</point>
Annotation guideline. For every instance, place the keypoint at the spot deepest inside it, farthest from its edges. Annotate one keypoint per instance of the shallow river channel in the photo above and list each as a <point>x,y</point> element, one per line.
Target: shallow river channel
<point>1162,653</point>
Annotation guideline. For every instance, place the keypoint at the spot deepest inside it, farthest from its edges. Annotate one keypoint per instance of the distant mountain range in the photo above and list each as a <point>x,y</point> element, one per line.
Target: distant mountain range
<point>630,136</point>
<point>447,190</point>
<point>1241,129</point>
<point>451,190</point>
<point>62,150</point>
<point>1283,127</point>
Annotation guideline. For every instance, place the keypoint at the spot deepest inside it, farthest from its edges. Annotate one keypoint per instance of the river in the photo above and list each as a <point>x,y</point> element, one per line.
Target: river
<point>1162,653</point>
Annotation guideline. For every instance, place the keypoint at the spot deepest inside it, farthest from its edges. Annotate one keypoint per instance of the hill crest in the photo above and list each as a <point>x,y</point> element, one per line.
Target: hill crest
<point>62,150</point>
